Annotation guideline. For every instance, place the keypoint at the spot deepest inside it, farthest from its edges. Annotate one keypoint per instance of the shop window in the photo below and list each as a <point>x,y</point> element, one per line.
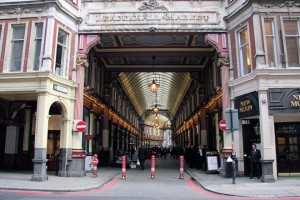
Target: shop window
<point>17,44</point>
<point>291,37</point>
<point>61,53</point>
<point>244,52</point>
<point>270,44</point>
<point>38,36</point>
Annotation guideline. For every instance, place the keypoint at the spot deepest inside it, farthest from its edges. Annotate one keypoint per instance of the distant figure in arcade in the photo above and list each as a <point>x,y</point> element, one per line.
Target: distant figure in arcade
<point>132,152</point>
<point>255,157</point>
<point>142,156</point>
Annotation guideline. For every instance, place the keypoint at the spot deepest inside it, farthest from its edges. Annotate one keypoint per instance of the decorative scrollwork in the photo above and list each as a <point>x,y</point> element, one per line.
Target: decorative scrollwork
<point>151,5</point>
<point>288,4</point>
<point>23,10</point>
<point>223,61</point>
<point>82,61</point>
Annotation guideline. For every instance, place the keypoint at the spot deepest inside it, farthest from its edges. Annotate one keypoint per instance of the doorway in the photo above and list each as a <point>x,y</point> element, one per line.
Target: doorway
<point>250,136</point>
<point>288,154</point>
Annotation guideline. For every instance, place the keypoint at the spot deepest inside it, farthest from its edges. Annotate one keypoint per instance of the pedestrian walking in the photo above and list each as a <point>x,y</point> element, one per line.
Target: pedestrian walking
<point>142,156</point>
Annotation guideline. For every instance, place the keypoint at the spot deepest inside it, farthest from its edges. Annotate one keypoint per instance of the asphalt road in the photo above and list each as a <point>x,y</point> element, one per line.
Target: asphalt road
<point>138,185</point>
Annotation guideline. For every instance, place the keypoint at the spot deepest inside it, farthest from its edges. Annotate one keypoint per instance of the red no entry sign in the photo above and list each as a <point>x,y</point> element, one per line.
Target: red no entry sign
<point>81,126</point>
<point>222,125</point>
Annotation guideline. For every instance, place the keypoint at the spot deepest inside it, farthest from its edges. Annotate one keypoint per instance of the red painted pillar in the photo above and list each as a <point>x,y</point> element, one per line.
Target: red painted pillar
<point>123,167</point>
<point>152,166</point>
<point>181,170</point>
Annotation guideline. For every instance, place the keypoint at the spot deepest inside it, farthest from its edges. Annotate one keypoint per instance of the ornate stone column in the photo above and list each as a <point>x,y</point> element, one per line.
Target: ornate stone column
<point>203,127</point>
<point>77,168</point>
<point>105,133</point>
<point>81,65</point>
<point>223,62</point>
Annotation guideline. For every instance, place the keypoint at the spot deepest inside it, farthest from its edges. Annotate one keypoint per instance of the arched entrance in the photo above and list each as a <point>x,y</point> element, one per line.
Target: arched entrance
<point>129,57</point>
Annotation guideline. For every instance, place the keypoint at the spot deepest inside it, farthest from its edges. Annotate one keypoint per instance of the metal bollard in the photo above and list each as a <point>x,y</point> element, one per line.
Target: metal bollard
<point>95,162</point>
<point>123,167</point>
<point>152,174</point>
<point>181,170</point>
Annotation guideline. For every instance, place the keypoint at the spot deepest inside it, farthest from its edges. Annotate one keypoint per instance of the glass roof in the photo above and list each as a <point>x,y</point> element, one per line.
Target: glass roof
<point>171,91</point>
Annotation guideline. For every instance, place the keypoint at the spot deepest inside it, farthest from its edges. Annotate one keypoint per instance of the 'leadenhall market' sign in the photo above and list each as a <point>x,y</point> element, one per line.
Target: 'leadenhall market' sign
<point>284,100</point>
<point>153,18</point>
<point>247,105</point>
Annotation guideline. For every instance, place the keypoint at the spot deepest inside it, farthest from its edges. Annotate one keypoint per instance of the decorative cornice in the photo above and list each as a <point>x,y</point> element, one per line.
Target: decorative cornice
<point>151,5</point>
<point>22,10</point>
<point>288,4</point>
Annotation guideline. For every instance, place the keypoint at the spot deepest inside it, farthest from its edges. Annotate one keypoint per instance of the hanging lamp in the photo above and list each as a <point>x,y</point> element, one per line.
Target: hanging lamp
<point>153,86</point>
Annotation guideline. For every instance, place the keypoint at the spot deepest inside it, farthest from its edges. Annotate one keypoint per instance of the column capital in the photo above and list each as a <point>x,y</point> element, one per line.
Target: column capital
<point>223,61</point>
<point>81,62</point>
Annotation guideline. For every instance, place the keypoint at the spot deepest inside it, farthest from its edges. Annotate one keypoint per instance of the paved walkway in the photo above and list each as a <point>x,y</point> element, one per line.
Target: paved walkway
<point>22,181</point>
<point>283,187</point>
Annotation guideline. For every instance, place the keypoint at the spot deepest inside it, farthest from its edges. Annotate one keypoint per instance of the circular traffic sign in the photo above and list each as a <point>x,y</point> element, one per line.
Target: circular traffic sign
<point>222,125</point>
<point>81,126</point>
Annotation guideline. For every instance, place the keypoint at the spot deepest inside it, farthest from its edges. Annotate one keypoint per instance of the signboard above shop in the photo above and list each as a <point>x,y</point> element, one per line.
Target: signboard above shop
<point>284,100</point>
<point>247,105</point>
<point>292,128</point>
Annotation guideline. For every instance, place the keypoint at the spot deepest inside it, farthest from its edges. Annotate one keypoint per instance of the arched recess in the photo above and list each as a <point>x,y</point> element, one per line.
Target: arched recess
<point>59,141</point>
<point>85,44</point>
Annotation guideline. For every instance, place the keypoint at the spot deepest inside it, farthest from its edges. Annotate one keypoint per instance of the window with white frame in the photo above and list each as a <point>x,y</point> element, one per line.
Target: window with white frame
<point>270,42</point>
<point>61,53</point>
<point>244,52</point>
<point>17,43</point>
<point>37,60</point>
<point>291,36</point>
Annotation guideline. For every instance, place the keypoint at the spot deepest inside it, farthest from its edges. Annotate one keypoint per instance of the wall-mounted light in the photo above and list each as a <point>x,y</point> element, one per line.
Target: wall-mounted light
<point>257,129</point>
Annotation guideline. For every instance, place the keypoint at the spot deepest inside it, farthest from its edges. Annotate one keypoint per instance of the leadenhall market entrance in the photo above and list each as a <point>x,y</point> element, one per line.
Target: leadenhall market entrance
<point>284,104</point>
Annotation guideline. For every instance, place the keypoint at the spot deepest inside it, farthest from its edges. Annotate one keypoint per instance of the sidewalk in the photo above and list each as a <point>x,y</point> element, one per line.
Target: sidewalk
<point>22,181</point>
<point>245,187</point>
<point>254,188</point>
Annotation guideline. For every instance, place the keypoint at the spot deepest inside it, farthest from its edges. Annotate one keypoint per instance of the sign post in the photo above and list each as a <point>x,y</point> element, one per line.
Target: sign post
<point>232,124</point>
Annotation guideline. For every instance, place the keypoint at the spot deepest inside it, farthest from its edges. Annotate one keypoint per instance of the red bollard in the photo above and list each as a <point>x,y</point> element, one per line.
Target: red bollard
<point>123,167</point>
<point>181,167</point>
<point>95,162</point>
<point>152,166</point>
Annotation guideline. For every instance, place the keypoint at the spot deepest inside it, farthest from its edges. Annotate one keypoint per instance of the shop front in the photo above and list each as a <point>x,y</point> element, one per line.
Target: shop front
<point>284,104</point>
<point>248,113</point>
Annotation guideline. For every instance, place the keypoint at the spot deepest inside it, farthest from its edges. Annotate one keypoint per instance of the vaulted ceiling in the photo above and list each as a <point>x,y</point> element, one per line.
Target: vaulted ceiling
<point>167,58</point>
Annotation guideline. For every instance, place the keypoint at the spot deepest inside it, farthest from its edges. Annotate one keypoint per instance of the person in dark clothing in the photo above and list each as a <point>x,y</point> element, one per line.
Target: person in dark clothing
<point>199,159</point>
<point>204,163</point>
<point>255,157</point>
<point>132,151</point>
<point>142,156</point>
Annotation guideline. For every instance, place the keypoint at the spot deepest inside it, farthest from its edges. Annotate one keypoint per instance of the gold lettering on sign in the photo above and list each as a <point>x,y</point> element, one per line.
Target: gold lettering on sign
<point>296,101</point>
<point>245,106</point>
